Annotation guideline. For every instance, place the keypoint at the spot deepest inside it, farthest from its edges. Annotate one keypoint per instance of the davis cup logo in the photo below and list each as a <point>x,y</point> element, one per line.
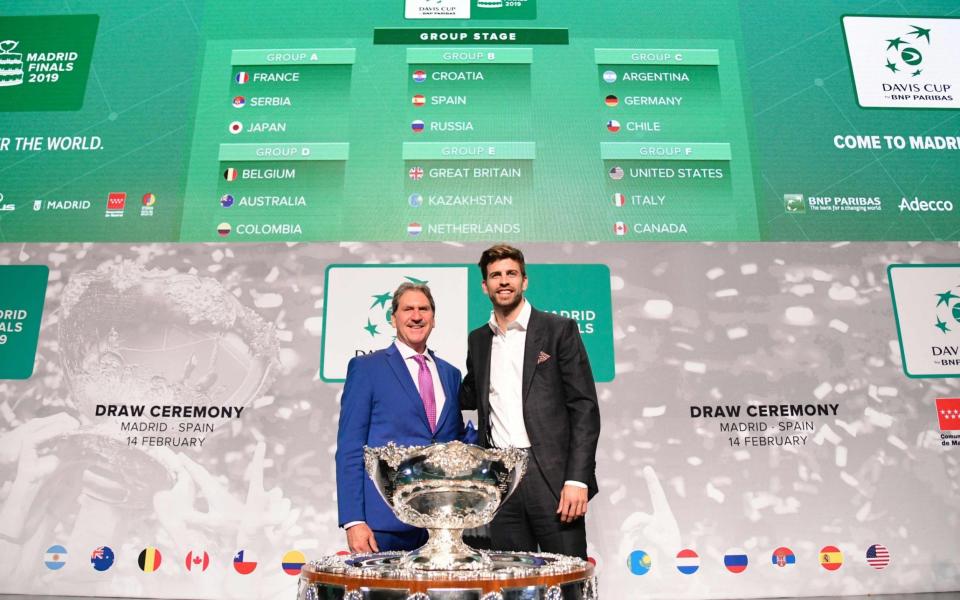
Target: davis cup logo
<point>904,55</point>
<point>358,305</point>
<point>437,9</point>
<point>948,311</point>
<point>926,302</point>
<point>904,62</point>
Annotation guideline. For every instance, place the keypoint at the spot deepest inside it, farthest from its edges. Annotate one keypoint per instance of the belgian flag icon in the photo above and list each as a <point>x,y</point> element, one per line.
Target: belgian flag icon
<point>149,559</point>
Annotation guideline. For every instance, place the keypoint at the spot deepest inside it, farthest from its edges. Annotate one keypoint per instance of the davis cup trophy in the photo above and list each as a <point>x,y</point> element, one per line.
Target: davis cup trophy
<point>446,488</point>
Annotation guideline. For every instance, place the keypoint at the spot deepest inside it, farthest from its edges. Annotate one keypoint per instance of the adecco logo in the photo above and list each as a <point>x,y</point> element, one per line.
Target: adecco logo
<point>918,205</point>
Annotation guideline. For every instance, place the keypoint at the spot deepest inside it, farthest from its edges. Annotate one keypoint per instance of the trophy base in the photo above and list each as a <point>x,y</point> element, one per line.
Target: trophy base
<point>446,551</point>
<point>508,576</point>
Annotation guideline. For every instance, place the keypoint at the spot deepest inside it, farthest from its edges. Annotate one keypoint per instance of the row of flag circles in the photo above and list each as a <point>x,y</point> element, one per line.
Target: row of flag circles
<point>150,560</point>
<point>736,560</point>
<point>639,562</point>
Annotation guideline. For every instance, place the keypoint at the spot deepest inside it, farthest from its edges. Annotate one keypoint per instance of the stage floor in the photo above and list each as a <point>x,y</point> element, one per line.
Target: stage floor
<point>937,596</point>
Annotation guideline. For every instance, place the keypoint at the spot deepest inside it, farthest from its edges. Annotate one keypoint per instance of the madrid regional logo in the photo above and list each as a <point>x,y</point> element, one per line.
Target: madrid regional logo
<point>380,311</point>
<point>904,54</point>
<point>948,311</point>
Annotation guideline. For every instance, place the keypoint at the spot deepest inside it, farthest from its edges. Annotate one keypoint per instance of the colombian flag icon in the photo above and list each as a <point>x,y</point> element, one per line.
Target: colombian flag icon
<point>292,562</point>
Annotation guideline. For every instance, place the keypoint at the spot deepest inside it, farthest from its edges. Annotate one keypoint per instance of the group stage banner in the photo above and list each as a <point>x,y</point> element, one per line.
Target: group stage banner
<point>777,419</point>
<point>549,121</point>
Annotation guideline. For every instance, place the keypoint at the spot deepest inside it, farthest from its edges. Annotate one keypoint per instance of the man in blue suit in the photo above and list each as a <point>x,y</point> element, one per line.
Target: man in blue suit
<point>402,394</point>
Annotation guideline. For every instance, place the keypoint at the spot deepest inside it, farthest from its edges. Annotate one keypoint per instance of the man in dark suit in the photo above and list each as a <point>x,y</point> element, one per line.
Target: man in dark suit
<point>529,378</point>
<point>402,394</point>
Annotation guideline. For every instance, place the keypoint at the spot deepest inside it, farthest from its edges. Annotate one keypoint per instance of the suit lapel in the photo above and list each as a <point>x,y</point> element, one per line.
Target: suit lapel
<point>406,382</point>
<point>448,391</point>
<point>531,350</point>
<point>483,362</point>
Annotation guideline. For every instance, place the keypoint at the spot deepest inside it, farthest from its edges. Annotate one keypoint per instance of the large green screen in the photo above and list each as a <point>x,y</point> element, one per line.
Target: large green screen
<point>527,120</point>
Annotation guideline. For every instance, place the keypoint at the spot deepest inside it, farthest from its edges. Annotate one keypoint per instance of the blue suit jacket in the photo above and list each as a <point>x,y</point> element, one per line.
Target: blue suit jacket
<point>381,404</point>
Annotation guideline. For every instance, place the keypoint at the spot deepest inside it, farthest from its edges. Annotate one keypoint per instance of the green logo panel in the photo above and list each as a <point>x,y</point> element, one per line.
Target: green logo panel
<point>580,292</point>
<point>22,289</point>
<point>44,61</point>
<point>503,9</point>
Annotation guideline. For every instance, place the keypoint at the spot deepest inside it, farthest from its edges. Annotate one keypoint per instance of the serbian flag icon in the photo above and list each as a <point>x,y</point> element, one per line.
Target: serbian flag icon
<point>783,557</point>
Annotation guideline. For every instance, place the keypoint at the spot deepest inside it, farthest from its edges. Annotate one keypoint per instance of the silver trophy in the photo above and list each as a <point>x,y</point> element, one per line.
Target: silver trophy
<point>445,488</point>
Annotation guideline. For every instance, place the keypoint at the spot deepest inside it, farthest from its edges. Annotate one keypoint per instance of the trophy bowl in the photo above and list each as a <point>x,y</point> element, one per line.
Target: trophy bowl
<point>445,488</point>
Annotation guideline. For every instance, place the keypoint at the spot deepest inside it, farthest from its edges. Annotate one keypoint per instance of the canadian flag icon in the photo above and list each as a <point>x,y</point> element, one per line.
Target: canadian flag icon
<point>620,228</point>
<point>197,560</point>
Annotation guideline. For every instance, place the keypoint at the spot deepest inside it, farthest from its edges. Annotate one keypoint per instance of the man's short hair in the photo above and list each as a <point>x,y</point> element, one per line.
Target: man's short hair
<point>500,252</point>
<point>407,286</point>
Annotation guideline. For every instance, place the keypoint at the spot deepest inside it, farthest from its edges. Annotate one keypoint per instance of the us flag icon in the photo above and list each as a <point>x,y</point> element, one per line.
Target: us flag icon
<point>878,556</point>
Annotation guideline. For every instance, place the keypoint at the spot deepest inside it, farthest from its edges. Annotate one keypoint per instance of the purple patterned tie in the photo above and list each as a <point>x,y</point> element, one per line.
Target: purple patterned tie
<point>426,391</point>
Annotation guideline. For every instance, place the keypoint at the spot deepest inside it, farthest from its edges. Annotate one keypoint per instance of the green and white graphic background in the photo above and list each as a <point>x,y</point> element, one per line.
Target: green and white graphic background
<point>158,90</point>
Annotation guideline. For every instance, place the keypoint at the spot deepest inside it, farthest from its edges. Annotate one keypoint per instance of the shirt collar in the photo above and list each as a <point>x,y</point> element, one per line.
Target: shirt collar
<point>407,352</point>
<point>521,322</point>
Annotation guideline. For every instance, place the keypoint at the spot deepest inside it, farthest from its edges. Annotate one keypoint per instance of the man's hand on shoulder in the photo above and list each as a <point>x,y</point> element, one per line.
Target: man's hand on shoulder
<point>360,539</point>
<point>573,503</point>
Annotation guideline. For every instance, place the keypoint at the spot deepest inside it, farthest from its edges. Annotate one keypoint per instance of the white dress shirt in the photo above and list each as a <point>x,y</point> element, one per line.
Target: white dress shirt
<point>507,426</point>
<point>506,381</point>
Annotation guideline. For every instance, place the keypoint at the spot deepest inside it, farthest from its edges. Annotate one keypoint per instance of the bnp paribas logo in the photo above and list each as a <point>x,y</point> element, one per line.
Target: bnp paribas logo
<point>904,54</point>
<point>948,311</point>
<point>794,204</point>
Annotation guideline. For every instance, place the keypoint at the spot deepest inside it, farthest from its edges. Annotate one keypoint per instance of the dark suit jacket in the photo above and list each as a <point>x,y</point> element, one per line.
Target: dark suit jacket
<point>560,407</point>
<point>381,404</point>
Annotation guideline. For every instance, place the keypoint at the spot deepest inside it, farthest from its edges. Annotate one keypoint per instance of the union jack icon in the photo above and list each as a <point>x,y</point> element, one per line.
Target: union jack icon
<point>416,173</point>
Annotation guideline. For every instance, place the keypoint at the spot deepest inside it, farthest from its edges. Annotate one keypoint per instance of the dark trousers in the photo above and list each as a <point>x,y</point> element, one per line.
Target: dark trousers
<point>400,540</point>
<point>528,521</point>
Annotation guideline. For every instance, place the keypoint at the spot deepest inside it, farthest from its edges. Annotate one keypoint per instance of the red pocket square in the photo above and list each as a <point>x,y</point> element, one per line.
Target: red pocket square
<point>542,357</point>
